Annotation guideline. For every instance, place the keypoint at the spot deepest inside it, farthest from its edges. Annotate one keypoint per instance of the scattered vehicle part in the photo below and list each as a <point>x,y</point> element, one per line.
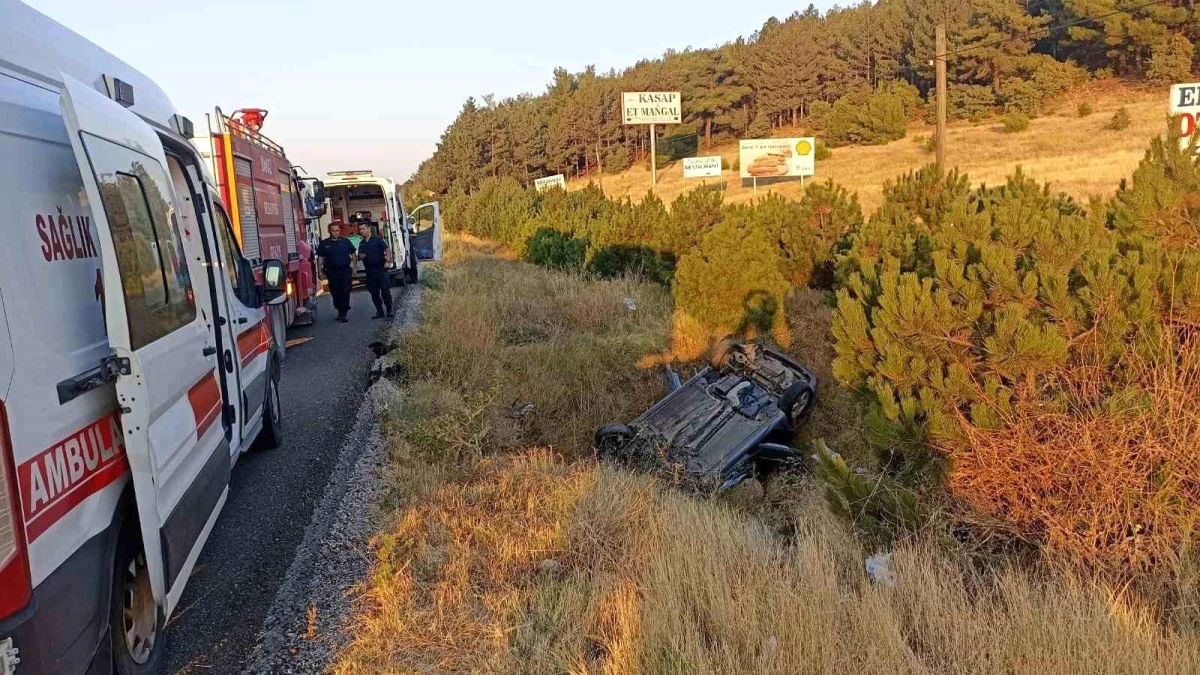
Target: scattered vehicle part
<point>730,417</point>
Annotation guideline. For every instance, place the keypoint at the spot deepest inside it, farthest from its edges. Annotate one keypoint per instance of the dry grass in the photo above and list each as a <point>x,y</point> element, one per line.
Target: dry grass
<point>1075,155</point>
<point>524,562</point>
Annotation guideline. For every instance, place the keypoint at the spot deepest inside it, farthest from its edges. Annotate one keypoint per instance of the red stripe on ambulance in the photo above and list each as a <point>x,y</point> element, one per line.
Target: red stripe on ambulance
<point>77,467</point>
<point>254,342</point>
<point>205,398</point>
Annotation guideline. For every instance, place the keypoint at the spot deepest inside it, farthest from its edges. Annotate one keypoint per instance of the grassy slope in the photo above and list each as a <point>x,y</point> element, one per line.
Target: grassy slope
<point>511,551</point>
<point>1076,155</point>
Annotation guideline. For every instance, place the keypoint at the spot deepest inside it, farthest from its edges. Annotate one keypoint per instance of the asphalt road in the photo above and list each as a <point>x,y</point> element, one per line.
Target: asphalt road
<point>273,494</point>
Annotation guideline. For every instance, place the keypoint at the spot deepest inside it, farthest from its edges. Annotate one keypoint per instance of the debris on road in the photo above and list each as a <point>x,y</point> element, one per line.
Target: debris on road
<point>296,342</point>
<point>724,422</point>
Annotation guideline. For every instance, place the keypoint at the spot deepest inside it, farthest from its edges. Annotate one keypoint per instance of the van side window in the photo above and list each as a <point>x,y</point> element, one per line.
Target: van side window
<point>232,259</point>
<point>154,274</point>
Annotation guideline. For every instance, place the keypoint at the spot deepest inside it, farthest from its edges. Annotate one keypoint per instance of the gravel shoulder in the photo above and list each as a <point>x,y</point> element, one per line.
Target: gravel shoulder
<point>305,623</point>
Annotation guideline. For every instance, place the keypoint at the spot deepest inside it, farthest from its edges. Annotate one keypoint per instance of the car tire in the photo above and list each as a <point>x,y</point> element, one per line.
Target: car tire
<point>797,403</point>
<point>271,436</point>
<point>137,626</point>
<point>611,440</point>
<point>723,353</point>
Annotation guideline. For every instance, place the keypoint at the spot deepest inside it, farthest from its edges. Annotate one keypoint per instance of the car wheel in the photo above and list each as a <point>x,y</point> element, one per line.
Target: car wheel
<point>136,623</point>
<point>611,439</point>
<point>797,403</point>
<point>271,436</point>
<point>723,354</point>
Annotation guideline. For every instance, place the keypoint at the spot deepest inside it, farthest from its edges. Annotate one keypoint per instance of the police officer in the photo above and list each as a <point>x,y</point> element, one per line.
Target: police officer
<point>376,256</point>
<point>337,259</point>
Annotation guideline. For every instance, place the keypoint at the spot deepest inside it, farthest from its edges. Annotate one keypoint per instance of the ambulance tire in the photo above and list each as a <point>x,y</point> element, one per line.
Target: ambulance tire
<point>136,625</point>
<point>271,436</point>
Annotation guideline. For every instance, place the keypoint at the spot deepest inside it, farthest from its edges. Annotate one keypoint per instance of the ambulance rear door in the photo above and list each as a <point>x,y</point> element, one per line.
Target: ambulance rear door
<point>427,231</point>
<point>164,357</point>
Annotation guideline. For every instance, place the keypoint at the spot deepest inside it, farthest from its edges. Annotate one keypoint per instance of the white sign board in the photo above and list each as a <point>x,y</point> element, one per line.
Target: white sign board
<point>651,107</point>
<point>1185,103</point>
<point>777,157</point>
<point>701,167</point>
<point>557,180</point>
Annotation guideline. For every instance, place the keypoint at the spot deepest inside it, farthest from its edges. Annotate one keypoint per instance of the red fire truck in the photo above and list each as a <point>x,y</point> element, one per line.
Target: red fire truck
<point>265,195</point>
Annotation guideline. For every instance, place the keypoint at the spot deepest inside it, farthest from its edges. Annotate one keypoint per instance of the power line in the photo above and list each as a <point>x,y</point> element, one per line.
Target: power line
<point>1051,29</point>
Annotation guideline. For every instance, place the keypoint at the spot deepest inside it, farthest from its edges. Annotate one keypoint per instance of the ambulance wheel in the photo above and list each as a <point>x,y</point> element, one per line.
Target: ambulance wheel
<point>271,436</point>
<point>136,624</point>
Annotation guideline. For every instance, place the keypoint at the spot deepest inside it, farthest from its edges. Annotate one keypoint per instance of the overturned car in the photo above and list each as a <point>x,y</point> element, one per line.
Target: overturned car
<point>734,415</point>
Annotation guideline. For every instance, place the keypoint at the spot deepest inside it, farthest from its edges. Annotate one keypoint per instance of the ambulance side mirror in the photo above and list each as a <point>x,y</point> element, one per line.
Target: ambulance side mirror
<point>318,191</point>
<point>274,281</point>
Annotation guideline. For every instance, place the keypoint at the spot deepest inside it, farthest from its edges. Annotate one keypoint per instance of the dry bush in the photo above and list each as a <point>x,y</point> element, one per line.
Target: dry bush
<point>1115,484</point>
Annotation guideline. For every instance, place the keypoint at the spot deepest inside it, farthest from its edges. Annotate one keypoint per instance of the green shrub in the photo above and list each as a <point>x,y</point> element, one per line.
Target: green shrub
<point>825,213</point>
<point>931,144</point>
<point>1084,109</point>
<point>1016,122</point>
<point>956,304</point>
<point>968,101</point>
<point>867,118</point>
<point>731,281</point>
<point>556,250</point>
<point>1171,61</point>
<point>1120,120</point>
<point>623,260</point>
<point>760,127</point>
<point>822,152</point>
<point>879,507</point>
<point>693,213</point>
<point>818,114</point>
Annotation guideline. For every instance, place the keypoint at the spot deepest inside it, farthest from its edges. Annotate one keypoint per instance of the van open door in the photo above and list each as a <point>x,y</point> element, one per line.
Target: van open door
<point>164,356</point>
<point>427,231</point>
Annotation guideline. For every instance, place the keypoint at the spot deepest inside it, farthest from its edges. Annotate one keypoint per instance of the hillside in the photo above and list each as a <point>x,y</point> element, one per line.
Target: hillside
<point>1079,156</point>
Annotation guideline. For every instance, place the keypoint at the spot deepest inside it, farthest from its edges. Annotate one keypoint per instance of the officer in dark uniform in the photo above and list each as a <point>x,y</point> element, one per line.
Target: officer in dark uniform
<point>337,259</point>
<point>376,256</point>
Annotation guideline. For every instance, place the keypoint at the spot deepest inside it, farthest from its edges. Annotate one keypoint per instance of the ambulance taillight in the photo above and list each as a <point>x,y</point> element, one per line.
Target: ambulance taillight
<point>14,565</point>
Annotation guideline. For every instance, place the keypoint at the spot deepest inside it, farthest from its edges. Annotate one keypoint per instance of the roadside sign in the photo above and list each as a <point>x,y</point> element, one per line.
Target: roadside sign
<point>701,167</point>
<point>651,107</point>
<point>777,157</point>
<point>1185,104</point>
<point>557,180</point>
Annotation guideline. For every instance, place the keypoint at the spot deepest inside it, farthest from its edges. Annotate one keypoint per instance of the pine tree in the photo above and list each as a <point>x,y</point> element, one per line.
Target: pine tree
<point>1171,61</point>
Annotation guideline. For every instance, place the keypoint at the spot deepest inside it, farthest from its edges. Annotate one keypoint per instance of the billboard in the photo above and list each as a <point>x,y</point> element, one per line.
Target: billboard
<point>557,180</point>
<point>1185,103</point>
<point>701,167</point>
<point>651,107</point>
<point>777,157</point>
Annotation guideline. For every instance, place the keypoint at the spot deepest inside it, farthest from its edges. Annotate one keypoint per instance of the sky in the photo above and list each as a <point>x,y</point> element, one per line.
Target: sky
<point>373,84</point>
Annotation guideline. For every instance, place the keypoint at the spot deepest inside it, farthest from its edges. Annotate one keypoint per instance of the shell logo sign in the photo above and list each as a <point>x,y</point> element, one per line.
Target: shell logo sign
<point>803,147</point>
<point>777,157</point>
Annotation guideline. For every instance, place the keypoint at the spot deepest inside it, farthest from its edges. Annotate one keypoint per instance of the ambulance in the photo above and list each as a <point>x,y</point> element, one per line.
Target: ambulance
<point>356,197</point>
<point>136,359</point>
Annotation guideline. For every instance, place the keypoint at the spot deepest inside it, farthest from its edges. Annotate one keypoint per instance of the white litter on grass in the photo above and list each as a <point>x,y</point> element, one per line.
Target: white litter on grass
<point>879,568</point>
<point>631,304</point>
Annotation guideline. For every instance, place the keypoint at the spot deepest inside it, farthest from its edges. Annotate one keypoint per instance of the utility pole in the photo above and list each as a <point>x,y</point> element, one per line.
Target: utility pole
<point>940,69</point>
<point>653,158</point>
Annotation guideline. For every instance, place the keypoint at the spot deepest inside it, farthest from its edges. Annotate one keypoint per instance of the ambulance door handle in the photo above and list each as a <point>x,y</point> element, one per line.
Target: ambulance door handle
<point>210,351</point>
<point>228,361</point>
<point>242,319</point>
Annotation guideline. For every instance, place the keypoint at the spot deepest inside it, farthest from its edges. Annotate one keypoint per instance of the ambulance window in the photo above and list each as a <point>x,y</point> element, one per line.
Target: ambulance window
<point>232,259</point>
<point>227,251</point>
<point>155,279</point>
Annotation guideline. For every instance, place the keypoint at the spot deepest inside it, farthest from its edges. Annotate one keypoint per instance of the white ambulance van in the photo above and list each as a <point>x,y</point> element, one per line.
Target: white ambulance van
<point>354,197</point>
<point>135,359</point>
